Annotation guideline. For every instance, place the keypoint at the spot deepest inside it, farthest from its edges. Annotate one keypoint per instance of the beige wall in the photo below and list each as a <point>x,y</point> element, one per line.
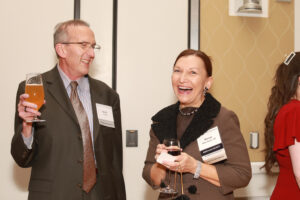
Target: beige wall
<point>245,53</point>
<point>151,34</point>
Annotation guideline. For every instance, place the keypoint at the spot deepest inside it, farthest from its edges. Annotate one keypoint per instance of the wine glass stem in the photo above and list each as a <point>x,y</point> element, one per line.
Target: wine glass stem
<point>169,178</point>
<point>181,183</point>
<point>175,180</point>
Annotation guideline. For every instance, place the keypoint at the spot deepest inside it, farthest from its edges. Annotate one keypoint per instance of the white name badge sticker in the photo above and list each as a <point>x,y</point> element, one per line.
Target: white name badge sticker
<point>211,147</point>
<point>105,115</point>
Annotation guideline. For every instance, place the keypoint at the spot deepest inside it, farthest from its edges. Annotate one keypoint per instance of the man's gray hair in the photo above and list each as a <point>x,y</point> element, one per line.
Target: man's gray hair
<point>61,30</point>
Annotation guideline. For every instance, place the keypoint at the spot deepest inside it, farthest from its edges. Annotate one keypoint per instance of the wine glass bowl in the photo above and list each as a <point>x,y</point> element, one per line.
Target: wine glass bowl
<point>173,146</point>
<point>34,88</point>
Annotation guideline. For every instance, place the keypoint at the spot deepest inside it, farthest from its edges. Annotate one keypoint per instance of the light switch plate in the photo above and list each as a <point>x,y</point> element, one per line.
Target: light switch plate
<point>254,140</point>
<point>131,138</point>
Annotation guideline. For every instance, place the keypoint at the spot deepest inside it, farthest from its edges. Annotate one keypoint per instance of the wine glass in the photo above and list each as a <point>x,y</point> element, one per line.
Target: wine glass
<point>34,87</point>
<point>173,148</point>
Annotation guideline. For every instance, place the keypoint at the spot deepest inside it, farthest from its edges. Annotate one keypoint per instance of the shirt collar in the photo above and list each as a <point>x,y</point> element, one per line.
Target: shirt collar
<point>83,82</point>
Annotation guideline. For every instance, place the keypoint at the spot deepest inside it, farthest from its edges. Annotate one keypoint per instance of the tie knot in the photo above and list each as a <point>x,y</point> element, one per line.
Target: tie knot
<point>74,85</point>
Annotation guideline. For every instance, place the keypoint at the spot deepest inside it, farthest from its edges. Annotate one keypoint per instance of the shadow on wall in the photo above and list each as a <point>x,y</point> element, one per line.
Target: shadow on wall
<point>150,194</point>
<point>21,177</point>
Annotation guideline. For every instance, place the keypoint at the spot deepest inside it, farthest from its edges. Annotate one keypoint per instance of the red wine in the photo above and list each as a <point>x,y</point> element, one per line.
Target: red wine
<point>174,152</point>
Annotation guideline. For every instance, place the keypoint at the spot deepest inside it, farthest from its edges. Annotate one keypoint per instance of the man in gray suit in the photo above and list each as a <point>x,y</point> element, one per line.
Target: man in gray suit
<point>56,148</point>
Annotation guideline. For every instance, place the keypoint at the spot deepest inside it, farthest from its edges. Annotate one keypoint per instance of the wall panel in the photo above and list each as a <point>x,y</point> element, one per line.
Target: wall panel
<point>151,34</point>
<point>245,52</point>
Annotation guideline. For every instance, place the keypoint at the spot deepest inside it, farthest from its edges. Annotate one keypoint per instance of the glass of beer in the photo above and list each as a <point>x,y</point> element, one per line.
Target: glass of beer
<point>34,87</point>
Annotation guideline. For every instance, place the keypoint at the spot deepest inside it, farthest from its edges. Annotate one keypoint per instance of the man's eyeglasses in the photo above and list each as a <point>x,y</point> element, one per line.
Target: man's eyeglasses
<point>85,45</point>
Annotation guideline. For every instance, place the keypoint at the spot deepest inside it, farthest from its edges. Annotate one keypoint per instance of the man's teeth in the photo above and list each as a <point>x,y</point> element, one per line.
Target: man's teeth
<point>85,61</point>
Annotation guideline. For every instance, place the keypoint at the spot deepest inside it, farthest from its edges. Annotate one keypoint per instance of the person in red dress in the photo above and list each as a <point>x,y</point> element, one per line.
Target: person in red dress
<point>282,129</point>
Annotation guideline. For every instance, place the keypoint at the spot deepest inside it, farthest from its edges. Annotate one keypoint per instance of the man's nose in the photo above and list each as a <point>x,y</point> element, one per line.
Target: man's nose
<point>91,52</point>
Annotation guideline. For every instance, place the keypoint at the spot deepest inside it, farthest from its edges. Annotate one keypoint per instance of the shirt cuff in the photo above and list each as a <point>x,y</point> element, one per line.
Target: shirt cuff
<point>28,140</point>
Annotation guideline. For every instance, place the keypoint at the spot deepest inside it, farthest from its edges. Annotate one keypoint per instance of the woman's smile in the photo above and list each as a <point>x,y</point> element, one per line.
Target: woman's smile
<point>184,90</point>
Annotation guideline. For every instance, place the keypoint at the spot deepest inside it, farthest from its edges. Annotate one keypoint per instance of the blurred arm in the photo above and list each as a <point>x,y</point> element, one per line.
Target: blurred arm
<point>295,157</point>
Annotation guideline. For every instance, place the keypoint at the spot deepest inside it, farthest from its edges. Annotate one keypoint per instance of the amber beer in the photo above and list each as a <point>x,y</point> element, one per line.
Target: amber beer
<point>36,94</point>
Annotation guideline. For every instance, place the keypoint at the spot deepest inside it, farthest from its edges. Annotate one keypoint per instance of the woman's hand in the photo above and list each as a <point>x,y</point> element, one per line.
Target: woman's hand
<point>186,163</point>
<point>183,163</point>
<point>160,148</point>
<point>158,171</point>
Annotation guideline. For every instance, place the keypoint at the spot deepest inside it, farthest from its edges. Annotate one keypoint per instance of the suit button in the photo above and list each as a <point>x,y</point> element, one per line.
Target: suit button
<point>79,137</point>
<point>79,185</point>
<point>80,161</point>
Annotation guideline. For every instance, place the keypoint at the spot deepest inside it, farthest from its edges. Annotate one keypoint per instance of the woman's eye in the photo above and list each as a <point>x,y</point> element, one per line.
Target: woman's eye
<point>175,70</point>
<point>193,72</point>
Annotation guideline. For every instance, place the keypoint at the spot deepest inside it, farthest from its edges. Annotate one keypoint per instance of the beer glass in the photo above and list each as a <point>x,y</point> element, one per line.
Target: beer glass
<point>173,148</point>
<point>34,87</point>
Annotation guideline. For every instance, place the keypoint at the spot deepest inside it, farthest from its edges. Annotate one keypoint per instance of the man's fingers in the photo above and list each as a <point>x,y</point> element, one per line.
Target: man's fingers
<point>24,96</point>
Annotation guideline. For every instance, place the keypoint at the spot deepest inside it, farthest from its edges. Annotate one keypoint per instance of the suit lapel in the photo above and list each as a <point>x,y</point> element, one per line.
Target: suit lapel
<point>55,87</point>
<point>96,97</point>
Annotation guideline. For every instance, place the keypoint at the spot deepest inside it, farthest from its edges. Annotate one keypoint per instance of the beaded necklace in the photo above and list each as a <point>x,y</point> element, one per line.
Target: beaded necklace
<point>188,113</point>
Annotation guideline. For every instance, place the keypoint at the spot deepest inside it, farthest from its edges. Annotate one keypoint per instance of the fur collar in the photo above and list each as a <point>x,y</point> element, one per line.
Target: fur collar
<point>164,122</point>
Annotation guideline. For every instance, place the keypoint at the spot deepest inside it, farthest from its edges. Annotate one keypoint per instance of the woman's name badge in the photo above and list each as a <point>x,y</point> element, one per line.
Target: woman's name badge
<point>105,115</point>
<point>211,147</point>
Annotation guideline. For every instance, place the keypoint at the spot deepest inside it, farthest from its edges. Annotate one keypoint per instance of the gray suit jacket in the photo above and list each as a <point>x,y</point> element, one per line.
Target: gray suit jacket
<point>57,150</point>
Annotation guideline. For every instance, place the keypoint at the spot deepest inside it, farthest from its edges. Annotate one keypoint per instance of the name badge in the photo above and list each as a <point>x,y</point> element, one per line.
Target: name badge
<point>211,147</point>
<point>105,115</point>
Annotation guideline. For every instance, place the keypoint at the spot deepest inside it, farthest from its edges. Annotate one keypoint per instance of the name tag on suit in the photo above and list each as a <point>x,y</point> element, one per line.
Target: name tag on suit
<point>211,147</point>
<point>105,115</point>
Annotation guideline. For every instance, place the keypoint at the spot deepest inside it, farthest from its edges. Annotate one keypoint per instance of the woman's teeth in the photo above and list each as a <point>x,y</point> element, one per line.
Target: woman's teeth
<point>185,88</point>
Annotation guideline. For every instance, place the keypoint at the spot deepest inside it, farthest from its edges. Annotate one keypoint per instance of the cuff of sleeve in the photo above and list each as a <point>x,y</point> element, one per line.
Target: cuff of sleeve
<point>28,140</point>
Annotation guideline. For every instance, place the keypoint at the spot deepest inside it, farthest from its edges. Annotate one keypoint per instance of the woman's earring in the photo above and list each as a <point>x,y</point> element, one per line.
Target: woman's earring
<point>205,91</point>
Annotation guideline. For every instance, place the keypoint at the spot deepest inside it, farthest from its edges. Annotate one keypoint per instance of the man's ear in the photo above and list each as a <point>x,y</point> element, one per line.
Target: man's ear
<point>60,50</point>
